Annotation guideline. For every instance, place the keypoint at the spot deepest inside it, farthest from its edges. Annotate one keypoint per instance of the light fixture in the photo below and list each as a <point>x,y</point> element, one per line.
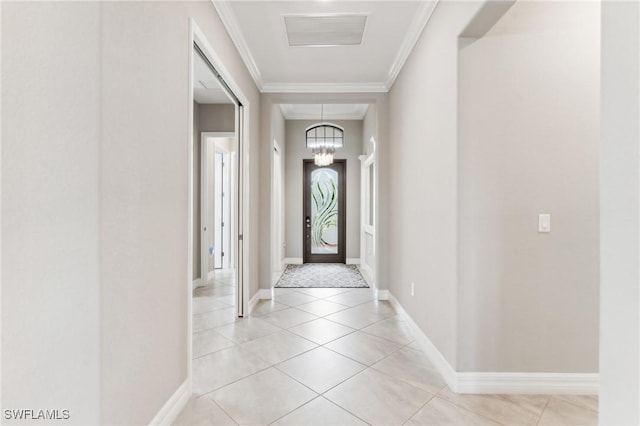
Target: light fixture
<point>323,139</point>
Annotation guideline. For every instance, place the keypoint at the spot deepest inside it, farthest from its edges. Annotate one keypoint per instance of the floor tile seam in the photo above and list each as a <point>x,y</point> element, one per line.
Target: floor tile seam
<point>474,412</point>
<point>325,315</point>
<point>258,337</point>
<point>213,352</point>
<point>359,329</point>
<point>209,393</point>
<point>418,410</point>
<point>351,358</point>
<point>388,374</point>
<point>403,380</point>
<point>295,325</point>
<point>575,404</point>
<point>543,410</point>
<point>302,337</point>
<point>213,328</point>
<point>286,414</point>
<point>324,395</point>
<point>332,340</point>
<point>294,379</point>
<point>407,346</point>
<point>213,310</point>
<point>208,312</point>
<point>384,338</point>
<point>469,410</point>
<point>224,411</point>
<point>330,402</point>
<point>346,356</point>
<point>291,357</point>
<point>329,389</point>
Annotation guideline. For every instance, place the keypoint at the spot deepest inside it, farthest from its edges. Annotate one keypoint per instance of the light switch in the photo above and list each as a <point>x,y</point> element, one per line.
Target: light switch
<point>544,223</point>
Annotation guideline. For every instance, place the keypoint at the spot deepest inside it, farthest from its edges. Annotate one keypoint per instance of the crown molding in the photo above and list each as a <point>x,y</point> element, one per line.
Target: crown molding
<point>420,21</point>
<point>228,18</point>
<point>289,113</point>
<point>324,88</point>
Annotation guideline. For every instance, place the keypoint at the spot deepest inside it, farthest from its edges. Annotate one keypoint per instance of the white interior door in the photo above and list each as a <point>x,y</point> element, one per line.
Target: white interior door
<point>207,204</point>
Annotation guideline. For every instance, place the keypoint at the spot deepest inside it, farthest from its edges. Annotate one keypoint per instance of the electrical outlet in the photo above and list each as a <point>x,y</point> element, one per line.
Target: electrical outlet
<point>413,289</point>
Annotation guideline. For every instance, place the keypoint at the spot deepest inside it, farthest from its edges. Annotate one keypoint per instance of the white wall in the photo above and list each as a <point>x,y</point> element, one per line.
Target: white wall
<point>50,208</point>
<point>422,183</point>
<point>144,163</point>
<point>295,152</point>
<point>95,162</point>
<point>369,131</point>
<point>528,143</point>
<point>620,215</point>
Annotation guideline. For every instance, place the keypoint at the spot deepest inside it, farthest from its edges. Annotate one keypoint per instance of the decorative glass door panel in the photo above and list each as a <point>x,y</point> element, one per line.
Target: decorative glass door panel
<point>324,213</point>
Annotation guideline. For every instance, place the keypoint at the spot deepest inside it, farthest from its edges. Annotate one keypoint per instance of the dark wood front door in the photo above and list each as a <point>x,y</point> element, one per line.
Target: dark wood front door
<point>324,212</point>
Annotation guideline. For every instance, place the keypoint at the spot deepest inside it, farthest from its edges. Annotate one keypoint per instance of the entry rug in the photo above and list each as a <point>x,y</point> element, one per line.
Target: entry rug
<point>314,275</point>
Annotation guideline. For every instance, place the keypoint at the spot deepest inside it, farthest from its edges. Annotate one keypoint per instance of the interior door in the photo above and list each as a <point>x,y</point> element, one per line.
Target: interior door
<point>324,212</point>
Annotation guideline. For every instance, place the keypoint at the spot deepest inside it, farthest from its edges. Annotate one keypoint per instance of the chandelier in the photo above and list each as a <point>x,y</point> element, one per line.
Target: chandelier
<point>323,139</point>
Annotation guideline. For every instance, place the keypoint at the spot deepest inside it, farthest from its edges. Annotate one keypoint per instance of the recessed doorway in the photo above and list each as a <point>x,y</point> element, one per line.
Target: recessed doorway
<point>324,212</point>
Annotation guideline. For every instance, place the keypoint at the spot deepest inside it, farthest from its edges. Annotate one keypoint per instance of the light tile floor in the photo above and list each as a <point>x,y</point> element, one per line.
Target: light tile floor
<point>335,357</point>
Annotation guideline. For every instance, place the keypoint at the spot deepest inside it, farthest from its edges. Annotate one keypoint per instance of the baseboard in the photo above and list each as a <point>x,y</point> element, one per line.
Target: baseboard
<point>254,300</point>
<point>528,383</point>
<point>265,294</point>
<point>196,283</point>
<point>498,383</point>
<point>445,369</point>
<point>293,260</point>
<point>367,274</point>
<point>382,294</point>
<point>353,261</point>
<point>174,405</point>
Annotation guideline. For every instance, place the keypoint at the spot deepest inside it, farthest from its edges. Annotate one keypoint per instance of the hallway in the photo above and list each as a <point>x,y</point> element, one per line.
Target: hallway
<point>336,357</point>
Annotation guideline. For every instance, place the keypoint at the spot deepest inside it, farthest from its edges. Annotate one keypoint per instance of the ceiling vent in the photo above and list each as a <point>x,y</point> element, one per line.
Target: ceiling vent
<point>325,29</point>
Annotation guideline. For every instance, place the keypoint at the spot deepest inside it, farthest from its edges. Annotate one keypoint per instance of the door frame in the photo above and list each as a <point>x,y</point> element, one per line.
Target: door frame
<point>342,214</point>
<point>241,219</point>
<point>277,210</point>
<point>368,209</point>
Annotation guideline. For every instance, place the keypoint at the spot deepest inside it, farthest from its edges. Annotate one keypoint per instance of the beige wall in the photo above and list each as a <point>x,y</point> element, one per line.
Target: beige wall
<point>528,144</point>
<point>369,129</point>
<point>620,214</point>
<point>217,117</point>
<point>422,183</point>
<point>207,118</point>
<point>144,188</point>
<point>51,208</point>
<point>296,151</point>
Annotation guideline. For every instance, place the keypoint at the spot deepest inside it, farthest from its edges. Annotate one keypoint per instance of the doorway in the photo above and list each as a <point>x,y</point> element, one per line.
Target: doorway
<point>324,210</point>
<point>217,180</point>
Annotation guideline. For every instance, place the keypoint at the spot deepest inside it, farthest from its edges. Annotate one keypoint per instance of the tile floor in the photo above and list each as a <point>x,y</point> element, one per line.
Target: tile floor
<point>335,357</point>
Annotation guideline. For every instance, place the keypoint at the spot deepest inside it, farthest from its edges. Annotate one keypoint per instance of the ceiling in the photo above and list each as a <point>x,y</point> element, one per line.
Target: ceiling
<point>327,111</point>
<point>206,87</point>
<point>259,31</point>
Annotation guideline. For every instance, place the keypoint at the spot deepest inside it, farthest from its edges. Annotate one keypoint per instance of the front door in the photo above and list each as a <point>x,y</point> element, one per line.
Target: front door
<point>324,218</point>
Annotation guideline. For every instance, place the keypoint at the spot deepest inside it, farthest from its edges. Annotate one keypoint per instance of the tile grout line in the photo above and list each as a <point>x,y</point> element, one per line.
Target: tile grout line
<point>543,410</point>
